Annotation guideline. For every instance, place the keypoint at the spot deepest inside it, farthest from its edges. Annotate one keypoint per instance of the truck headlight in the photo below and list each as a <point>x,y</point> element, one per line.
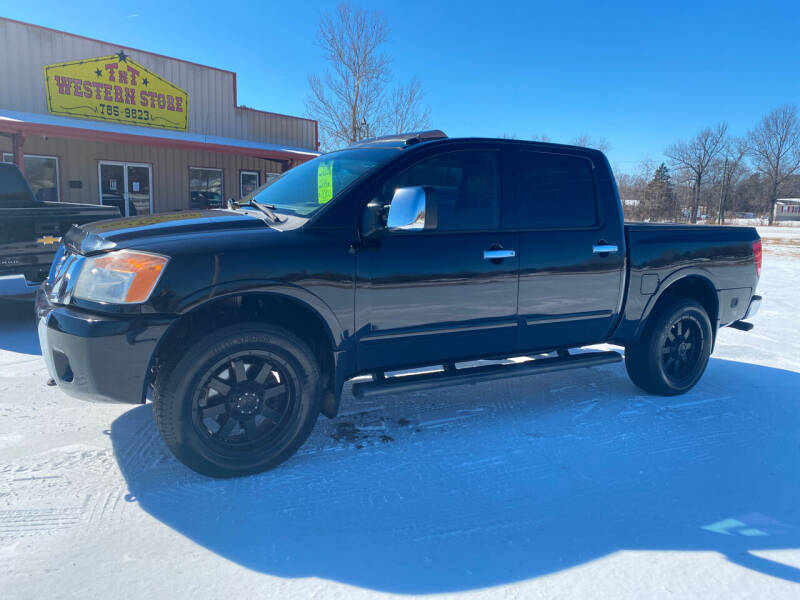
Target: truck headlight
<point>121,276</point>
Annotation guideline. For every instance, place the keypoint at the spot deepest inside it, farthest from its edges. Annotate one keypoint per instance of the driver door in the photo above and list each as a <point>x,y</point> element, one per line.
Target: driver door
<point>424,297</point>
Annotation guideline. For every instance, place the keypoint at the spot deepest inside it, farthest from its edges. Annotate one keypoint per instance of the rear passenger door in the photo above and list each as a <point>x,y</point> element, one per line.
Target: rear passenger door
<point>569,292</point>
<point>437,295</point>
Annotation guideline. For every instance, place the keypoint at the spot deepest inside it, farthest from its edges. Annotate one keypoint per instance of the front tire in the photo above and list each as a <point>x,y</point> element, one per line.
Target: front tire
<point>673,352</point>
<point>239,401</point>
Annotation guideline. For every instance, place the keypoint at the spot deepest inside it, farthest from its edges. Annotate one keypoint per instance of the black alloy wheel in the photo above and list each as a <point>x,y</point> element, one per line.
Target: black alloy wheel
<point>242,402</point>
<point>682,348</point>
<point>673,351</point>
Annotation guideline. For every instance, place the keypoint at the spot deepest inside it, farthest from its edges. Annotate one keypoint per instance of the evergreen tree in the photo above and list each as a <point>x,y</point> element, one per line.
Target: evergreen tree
<point>660,196</point>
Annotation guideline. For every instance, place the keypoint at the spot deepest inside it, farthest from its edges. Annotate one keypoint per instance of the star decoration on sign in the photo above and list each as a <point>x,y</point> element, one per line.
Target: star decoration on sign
<point>98,72</point>
<point>122,56</point>
<point>145,82</point>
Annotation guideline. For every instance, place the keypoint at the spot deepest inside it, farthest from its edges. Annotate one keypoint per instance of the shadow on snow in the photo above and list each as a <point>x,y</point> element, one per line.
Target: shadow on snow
<point>18,327</point>
<point>537,484</point>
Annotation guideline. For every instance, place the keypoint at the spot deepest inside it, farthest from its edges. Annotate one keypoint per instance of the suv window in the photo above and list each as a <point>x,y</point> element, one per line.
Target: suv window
<point>553,190</point>
<point>465,184</point>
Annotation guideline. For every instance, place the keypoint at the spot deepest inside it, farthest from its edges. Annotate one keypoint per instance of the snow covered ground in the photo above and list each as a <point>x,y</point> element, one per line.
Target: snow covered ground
<point>569,485</point>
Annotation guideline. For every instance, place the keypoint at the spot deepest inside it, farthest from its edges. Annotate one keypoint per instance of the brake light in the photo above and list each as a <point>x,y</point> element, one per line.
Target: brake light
<point>757,256</point>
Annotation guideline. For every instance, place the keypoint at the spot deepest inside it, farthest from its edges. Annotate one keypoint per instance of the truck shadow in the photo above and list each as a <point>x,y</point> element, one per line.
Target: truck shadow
<point>555,472</point>
<point>18,327</point>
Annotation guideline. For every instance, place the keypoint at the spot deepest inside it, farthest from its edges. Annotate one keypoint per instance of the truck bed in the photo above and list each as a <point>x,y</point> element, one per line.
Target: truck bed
<point>659,253</point>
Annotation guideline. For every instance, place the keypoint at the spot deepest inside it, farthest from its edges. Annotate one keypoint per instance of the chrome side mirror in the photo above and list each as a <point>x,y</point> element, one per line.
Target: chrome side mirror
<point>411,210</point>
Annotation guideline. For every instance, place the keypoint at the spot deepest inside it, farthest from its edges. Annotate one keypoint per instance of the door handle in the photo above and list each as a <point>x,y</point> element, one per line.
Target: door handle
<point>604,248</point>
<point>495,254</point>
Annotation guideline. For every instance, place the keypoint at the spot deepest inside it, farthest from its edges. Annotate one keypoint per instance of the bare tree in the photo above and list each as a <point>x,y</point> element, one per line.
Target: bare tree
<point>632,188</point>
<point>588,141</point>
<point>775,149</point>
<point>729,168</point>
<point>405,111</point>
<point>351,99</point>
<point>694,157</point>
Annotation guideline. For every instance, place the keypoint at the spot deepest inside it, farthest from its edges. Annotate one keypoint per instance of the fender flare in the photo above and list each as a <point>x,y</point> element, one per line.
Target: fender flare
<point>266,286</point>
<point>199,299</point>
<point>694,271</point>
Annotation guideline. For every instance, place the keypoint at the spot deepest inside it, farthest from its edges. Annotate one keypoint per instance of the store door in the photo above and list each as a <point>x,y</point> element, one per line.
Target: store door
<point>126,186</point>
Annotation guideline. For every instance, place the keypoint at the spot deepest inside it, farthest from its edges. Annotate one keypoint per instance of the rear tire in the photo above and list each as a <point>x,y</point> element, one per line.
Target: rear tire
<point>673,352</point>
<point>238,401</point>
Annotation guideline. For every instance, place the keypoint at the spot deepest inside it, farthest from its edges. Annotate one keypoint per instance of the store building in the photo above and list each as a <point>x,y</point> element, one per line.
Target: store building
<point>90,121</point>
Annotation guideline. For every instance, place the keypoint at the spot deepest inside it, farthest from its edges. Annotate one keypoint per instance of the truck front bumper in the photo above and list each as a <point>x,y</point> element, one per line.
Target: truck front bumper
<point>97,357</point>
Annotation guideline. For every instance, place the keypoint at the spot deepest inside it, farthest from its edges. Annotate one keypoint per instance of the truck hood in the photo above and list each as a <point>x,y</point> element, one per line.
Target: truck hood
<point>102,236</point>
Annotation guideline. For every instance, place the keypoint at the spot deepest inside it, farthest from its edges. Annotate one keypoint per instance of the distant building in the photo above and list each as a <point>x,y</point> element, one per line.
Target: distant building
<point>630,202</point>
<point>787,209</point>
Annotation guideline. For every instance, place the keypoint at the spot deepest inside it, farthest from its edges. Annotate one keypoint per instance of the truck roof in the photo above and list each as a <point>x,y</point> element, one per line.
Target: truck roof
<point>405,140</point>
<point>399,140</point>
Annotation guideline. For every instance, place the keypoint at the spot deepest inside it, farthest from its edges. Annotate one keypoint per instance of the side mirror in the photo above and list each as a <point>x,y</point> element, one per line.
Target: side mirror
<point>412,209</point>
<point>373,219</point>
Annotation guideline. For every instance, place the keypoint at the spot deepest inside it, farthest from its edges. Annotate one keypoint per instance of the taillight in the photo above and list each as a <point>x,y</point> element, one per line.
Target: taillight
<point>757,256</point>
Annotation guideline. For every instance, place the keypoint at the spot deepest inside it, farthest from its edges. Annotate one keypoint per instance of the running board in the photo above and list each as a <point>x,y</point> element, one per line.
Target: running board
<point>741,325</point>
<point>470,375</point>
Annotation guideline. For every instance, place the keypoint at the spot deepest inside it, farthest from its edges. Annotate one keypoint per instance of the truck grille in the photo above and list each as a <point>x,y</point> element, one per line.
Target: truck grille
<point>63,275</point>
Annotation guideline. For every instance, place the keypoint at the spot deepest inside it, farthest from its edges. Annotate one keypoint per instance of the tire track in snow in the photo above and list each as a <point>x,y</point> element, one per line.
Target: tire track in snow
<point>143,450</point>
<point>106,508</point>
<point>87,481</point>
<point>33,521</point>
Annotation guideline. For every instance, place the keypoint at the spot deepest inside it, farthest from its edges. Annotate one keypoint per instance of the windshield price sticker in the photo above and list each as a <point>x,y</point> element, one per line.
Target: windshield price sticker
<point>325,182</point>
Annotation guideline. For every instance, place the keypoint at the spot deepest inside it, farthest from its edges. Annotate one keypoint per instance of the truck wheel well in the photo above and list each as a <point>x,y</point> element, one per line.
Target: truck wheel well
<point>267,308</point>
<point>695,288</point>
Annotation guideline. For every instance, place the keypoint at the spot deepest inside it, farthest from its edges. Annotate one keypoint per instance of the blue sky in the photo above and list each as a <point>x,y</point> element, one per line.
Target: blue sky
<point>639,74</point>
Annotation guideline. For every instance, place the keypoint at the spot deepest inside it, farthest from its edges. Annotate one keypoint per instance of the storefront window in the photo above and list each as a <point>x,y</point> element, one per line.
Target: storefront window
<point>42,175</point>
<point>248,182</point>
<point>205,188</point>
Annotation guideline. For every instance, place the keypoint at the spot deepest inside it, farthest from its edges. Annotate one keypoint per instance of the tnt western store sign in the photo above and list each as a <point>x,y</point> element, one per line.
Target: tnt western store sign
<point>90,121</point>
<point>118,89</point>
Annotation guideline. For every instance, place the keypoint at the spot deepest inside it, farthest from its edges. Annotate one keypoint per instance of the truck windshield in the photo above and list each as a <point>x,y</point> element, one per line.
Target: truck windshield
<point>305,189</point>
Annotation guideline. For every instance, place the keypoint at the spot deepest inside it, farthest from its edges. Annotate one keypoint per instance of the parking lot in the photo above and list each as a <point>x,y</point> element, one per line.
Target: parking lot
<point>573,484</point>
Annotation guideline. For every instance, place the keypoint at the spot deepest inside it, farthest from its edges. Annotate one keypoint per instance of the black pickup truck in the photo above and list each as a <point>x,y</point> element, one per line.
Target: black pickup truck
<point>416,250</point>
<point>31,230</point>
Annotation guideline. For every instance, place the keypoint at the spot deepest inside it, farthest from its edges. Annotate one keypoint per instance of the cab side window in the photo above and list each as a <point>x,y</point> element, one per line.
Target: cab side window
<point>465,185</point>
<point>553,191</point>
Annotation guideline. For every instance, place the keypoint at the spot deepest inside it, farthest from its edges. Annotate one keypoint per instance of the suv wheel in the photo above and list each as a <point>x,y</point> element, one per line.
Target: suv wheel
<point>238,401</point>
<point>673,351</point>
